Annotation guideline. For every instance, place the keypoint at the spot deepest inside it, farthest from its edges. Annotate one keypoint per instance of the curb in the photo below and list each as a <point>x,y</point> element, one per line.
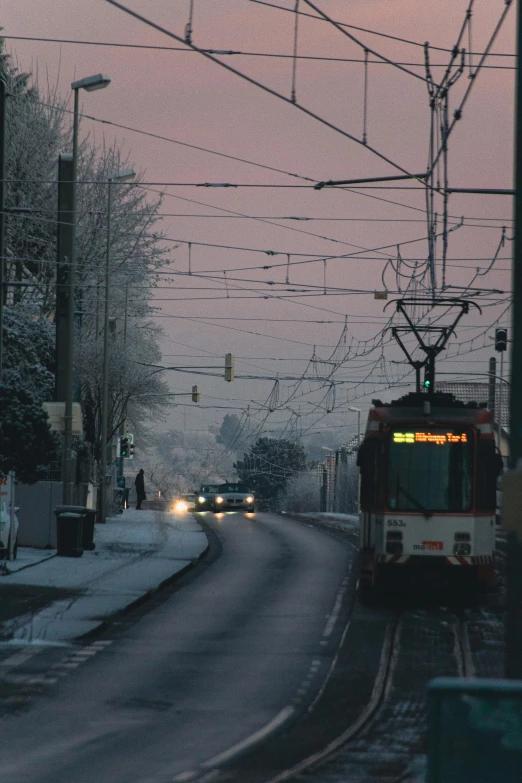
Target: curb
<point>106,622</point>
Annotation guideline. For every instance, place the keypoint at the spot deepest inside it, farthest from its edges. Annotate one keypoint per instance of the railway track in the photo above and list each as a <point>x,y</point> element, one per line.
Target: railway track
<point>358,753</point>
<point>385,742</point>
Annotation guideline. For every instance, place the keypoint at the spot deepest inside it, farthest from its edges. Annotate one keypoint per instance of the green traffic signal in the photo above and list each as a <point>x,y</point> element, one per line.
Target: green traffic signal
<point>428,377</point>
<point>124,447</point>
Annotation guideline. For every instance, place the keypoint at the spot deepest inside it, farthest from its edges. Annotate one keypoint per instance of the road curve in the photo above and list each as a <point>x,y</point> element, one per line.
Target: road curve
<point>229,657</point>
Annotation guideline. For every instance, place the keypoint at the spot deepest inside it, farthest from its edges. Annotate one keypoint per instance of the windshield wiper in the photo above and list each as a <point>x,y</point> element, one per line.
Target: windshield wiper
<point>414,500</point>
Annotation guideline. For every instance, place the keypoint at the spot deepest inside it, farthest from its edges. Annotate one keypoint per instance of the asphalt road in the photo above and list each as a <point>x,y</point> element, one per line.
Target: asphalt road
<point>232,656</point>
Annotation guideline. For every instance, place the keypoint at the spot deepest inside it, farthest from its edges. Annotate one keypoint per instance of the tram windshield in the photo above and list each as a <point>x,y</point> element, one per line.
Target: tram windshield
<point>430,470</point>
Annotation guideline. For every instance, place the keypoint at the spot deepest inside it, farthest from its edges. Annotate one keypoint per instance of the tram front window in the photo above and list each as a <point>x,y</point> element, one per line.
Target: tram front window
<point>430,470</point>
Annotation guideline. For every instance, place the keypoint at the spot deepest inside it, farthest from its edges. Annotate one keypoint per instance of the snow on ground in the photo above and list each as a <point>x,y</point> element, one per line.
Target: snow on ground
<point>136,552</point>
<point>122,539</point>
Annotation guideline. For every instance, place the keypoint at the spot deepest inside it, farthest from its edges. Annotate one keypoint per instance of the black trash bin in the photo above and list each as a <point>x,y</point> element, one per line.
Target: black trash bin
<point>88,529</point>
<point>69,530</point>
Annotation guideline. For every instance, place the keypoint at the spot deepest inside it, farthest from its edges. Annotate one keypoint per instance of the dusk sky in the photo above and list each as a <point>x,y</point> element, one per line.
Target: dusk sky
<point>270,326</point>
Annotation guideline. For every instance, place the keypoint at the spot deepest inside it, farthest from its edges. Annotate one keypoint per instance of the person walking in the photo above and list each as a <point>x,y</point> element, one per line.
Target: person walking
<point>139,483</point>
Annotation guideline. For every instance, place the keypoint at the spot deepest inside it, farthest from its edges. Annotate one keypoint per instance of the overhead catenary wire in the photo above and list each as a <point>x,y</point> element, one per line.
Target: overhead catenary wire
<point>262,86</point>
<point>457,114</point>
<point>401,274</point>
<point>355,40</point>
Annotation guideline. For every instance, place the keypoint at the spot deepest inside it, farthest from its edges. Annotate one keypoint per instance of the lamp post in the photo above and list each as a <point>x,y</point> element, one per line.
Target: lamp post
<point>358,412</point>
<point>120,176</point>
<point>89,83</point>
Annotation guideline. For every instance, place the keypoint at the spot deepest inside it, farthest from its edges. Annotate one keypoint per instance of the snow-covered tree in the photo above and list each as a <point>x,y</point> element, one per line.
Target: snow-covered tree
<point>39,127</point>
<point>29,342</point>
<point>268,466</point>
<point>27,444</point>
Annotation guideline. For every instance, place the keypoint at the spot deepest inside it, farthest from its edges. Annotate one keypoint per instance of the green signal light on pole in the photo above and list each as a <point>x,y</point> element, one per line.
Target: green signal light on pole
<point>427,383</point>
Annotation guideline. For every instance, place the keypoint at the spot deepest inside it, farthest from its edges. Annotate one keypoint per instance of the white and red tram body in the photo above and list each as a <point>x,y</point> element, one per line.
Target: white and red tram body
<point>428,468</point>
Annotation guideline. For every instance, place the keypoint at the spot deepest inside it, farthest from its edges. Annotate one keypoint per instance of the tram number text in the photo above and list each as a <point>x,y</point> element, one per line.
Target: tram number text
<point>396,523</point>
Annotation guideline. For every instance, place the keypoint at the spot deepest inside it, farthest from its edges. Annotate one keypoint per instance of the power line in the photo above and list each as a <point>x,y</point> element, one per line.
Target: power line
<point>372,32</point>
<point>231,52</point>
<point>262,86</point>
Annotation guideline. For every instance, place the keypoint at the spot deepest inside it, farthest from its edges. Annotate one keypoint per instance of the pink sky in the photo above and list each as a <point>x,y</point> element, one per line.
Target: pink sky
<point>182,96</point>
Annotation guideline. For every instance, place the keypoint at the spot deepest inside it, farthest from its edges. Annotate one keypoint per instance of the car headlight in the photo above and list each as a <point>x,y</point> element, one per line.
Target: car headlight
<point>181,506</point>
<point>201,499</point>
<point>219,499</point>
<point>250,499</point>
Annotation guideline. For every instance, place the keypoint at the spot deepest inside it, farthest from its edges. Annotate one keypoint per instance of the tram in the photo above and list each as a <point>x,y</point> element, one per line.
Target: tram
<point>428,472</point>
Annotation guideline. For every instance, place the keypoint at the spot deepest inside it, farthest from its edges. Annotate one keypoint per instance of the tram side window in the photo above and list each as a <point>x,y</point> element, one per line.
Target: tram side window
<point>489,467</point>
<point>369,462</point>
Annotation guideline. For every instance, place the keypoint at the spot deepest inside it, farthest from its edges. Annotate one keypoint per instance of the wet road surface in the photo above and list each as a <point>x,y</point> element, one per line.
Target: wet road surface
<point>236,653</point>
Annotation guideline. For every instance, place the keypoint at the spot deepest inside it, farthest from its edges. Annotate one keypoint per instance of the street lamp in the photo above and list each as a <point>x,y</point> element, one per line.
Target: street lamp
<point>89,83</point>
<point>121,176</point>
<point>358,412</point>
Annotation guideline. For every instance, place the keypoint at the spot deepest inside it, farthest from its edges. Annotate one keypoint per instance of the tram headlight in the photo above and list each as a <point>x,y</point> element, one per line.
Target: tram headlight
<point>461,550</point>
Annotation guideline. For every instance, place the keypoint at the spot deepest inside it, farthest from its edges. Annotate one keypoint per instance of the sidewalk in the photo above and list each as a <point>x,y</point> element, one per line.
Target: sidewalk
<point>136,552</point>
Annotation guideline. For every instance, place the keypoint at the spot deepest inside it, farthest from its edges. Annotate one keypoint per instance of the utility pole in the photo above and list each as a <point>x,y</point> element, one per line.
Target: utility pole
<point>516,356</point>
<point>120,176</point>
<point>492,385</point>
<point>500,400</point>
<point>514,553</point>
<point>65,311</point>
<point>2,219</point>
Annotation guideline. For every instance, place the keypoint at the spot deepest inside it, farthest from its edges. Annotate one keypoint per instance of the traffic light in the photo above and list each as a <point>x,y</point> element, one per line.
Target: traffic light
<point>124,447</point>
<point>500,339</point>
<point>428,377</point>
<point>229,367</point>
<point>127,446</point>
<point>195,394</point>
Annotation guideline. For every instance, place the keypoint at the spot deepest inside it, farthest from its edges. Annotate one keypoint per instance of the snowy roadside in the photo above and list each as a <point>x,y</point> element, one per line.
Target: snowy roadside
<point>136,552</point>
<point>348,522</point>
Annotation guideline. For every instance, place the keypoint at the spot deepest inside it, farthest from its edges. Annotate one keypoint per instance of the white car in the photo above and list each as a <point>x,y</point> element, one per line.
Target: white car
<point>5,517</point>
<point>233,496</point>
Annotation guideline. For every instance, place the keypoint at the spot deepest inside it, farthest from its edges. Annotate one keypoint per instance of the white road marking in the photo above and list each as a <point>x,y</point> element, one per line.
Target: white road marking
<point>258,736</point>
<point>210,776</point>
<point>19,657</point>
<point>42,680</point>
<point>186,777</point>
<point>336,609</point>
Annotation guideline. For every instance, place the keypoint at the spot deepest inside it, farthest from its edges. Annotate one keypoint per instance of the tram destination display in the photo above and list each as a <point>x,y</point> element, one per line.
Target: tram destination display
<point>438,438</point>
